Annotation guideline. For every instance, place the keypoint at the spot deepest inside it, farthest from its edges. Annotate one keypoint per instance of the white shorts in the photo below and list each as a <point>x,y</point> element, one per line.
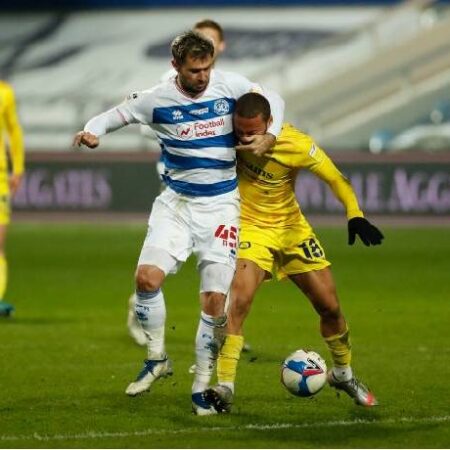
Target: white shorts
<point>205,226</point>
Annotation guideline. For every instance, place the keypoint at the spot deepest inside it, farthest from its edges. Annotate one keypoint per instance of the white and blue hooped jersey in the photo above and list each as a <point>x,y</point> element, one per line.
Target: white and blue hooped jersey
<point>195,134</point>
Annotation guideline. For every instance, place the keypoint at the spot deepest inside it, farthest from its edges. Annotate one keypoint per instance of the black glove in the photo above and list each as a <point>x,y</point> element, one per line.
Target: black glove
<point>368,233</point>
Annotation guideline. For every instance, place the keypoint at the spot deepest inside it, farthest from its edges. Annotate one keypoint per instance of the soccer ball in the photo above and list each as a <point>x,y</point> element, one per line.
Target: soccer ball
<point>304,373</point>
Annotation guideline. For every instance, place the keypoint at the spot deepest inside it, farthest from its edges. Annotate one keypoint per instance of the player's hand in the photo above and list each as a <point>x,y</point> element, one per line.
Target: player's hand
<point>85,138</point>
<point>368,233</point>
<point>258,144</point>
<point>14,183</point>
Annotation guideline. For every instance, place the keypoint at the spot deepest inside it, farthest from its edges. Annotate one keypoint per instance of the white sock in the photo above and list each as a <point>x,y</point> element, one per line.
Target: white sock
<point>151,313</point>
<point>206,353</point>
<point>343,373</point>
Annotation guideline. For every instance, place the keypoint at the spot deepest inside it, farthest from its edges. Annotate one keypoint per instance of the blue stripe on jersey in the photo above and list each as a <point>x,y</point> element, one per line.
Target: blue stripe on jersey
<point>201,190</point>
<point>194,111</point>
<point>224,141</point>
<point>188,162</point>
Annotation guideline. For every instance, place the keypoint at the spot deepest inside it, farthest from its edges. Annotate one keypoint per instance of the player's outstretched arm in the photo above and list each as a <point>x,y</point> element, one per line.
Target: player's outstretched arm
<point>368,233</point>
<point>325,169</point>
<point>119,116</point>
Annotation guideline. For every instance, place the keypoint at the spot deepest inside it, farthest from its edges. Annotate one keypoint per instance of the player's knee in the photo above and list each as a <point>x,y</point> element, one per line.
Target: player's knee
<point>147,279</point>
<point>214,297</point>
<point>330,311</point>
<point>213,303</point>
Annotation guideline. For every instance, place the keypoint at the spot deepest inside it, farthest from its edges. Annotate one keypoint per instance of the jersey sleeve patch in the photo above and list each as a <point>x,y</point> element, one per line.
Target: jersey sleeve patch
<point>315,153</point>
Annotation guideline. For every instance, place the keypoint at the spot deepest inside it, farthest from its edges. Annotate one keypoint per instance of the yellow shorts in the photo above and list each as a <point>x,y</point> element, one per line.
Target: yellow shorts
<point>282,252</point>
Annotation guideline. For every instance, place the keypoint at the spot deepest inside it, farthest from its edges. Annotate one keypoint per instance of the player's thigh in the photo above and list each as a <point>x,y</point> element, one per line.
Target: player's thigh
<point>3,232</point>
<point>255,264</point>
<point>249,276</point>
<point>257,245</point>
<point>319,287</point>
<point>5,213</point>
<point>246,281</point>
<point>214,227</point>
<point>169,237</point>
<point>5,208</point>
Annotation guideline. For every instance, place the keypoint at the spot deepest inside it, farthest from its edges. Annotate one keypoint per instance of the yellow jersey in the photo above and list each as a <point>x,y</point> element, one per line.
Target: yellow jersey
<point>9,125</point>
<point>267,183</point>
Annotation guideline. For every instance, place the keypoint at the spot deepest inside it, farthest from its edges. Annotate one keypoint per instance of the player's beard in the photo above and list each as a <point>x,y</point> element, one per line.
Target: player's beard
<point>191,88</point>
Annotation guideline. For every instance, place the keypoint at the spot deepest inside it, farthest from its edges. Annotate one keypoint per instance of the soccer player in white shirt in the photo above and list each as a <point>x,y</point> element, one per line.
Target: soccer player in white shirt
<point>199,211</point>
<point>213,31</point>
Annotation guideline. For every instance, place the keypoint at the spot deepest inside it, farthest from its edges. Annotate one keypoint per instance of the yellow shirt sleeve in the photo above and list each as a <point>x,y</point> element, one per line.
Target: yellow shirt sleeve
<point>339,184</point>
<point>15,135</point>
<point>297,150</point>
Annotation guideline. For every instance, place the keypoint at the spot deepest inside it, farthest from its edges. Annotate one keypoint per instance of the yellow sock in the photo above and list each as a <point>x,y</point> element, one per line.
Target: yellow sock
<point>3,276</point>
<point>228,358</point>
<point>340,348</point>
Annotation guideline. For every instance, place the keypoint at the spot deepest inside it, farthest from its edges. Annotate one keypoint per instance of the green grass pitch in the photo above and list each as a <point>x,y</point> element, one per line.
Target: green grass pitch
<point>66,357</point>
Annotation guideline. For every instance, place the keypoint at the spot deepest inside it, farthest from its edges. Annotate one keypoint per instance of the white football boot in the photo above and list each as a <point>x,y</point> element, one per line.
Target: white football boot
<point>152,370</point>
<point>201,406</point>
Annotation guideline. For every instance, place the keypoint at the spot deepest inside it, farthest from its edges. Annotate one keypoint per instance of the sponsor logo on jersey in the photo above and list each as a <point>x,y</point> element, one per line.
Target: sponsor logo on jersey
<point>177,115</point>
<point>258,171</point>
<point>185,131</point>
<point>221,107</point>
<point>200,112</point>
<point>206,128</point>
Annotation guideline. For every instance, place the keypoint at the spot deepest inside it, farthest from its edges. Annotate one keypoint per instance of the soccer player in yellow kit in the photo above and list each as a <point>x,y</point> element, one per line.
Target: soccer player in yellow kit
<point>276,238</point>
<point>9,183</point>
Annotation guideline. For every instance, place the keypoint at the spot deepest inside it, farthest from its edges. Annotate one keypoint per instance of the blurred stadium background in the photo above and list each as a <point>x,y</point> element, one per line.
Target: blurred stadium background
<point>369,80</point>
